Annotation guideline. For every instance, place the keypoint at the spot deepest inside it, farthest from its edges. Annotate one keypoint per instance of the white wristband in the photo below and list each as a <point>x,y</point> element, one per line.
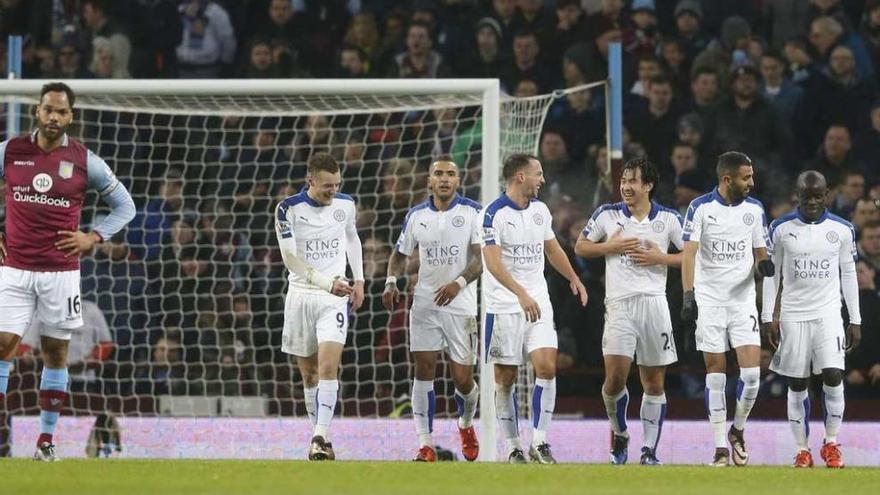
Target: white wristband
<point>391,280</point>
<point>461,281</point>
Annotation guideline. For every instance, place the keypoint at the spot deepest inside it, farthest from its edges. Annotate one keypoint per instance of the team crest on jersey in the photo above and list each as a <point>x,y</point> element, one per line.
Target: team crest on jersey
<point>538,219</point>
<point>748,219</point>
<point>65,169</point>
<point>339,215</point>
<point>458,221</point>
<point>496,352</point>
<point>832,237</point>
<point>658,226</point>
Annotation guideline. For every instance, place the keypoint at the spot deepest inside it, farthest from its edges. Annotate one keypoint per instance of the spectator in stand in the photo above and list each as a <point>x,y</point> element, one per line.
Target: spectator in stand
<point>70,63</point>
<point>90,347</point>
<point>719,55</point>
<point>504,12</point>
<point>532,16</point>
<point>581,125</point>
<point>526,64</point>
<point>850,189</point>
<point>353,63</point>
<point>784,95</point>
<point>678,67</point>
<point>833,157</point>
<point>165,373</point>
<point>260,64</point>
<point>648,67</point>
<point>363,33</point>
<point>576,67</point>
<point>98,24</point>
<point>869,29</point>
<point>208,44</point>
<point>149,225</point>
<point>641,36</point>
<point>569,29</point>
<point>280,24</point>
<point>156,30</point>
<point>863,366</point>
<point>866,212</point>
<point>393,41</point>
<point>866,147</point>
<point>487,61</point>
<point>655,125</point>
<point>106,63</point>
<point>419,60</point>
<point>689,185</point>
<point>838,96</point>
<point>783,20</point>
<point>827,33</point>
<point>320,25</point>
<point>688,19</point>
<point>869,244</point>
<point>704,90</point>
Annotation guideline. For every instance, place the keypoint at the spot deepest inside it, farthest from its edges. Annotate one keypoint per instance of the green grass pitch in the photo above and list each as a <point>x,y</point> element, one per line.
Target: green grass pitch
<point>132,477</point>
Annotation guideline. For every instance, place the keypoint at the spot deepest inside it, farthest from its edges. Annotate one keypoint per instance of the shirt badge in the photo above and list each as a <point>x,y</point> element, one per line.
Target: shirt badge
<point>65,169</point>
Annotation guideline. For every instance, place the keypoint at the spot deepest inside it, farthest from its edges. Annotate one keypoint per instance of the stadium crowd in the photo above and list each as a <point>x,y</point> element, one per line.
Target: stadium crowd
<point>193,292</point>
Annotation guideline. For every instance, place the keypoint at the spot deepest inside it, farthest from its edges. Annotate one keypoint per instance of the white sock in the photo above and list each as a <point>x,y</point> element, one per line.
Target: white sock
<point>834,405</point>
<point>467,406</point>
<point>543,405</point>
<point>508,417</point>
<point>653,413</point>
<point>799,417</point>
<point>328,390</point>
<point>615,406</point>
<point>423,410</point>
<point>746,393</point>
<point>716,404</point>
<point>311,398</point>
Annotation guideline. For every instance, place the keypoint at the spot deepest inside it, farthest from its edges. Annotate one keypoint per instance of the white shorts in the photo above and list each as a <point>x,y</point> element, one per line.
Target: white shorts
<point>640,325</point>
<point>312,319</point>
<point>53,297</point>
<point>720,328</point>
<point>814,344</point>
<point>433,330</point>
<point>510,338</point>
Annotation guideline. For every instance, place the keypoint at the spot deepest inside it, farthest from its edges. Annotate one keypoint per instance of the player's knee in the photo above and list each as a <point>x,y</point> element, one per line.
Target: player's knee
<point>797,384</point>
<point>832,377</point>
<point>750,377</point>
<point>8,345</point>
<point>653,388</point>
<point>613,384</point>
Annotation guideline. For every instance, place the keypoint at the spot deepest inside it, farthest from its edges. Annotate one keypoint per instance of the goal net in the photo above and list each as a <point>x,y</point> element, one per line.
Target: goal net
<point>184,310</point>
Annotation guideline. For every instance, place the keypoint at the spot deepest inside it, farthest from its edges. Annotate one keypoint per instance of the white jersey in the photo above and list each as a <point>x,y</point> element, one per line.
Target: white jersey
<point>623,278</point>
<point>521,233</point>
<point>443,239</point>
<point>321,234</point>
<point>727,234</point>
<point>812,257</point>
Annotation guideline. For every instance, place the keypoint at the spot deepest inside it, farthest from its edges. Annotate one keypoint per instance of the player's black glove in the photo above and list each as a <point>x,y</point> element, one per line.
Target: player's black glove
<point>689,307</point>
<point>766,268</point>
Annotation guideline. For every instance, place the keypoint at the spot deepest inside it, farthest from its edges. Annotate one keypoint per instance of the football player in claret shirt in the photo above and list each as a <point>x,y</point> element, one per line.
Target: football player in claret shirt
<point>47,174</point>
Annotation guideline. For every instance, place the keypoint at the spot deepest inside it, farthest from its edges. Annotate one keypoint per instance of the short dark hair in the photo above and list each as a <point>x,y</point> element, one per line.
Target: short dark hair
<point>702,69</point>
<point>60,87</point>
<point>516,162</point>
<point>730,162</point>
<point>323,162</point>
<point>661,80</point>
<point>525,33</point>
<point>421,24</point>
<point>871,224</point>
<point>650,175</point>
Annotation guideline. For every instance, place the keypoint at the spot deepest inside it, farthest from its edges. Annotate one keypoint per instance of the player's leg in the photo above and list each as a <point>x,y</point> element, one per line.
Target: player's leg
<point>653,410</point>
<point>829,341</point>
<point>331,330</point>
<point>618,348</point>
<point>53,388</point>
<point>792,360</point>
<point>507,410</point>
<point>460,333</point>
<point>541,343</point>
<point>749,359</point>
<point>17,303</point>
<point>424,402</point>
<point>60,311</point>
<point>712,340</point>
<point>655,349</point>
<point>8,345</point>
<point>308,370</point>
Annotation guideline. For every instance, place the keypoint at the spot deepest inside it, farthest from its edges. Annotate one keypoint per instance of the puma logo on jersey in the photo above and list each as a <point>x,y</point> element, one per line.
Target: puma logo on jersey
<point>710,217</point>
<point>511,224</point>
<point>423,225</point>
<point>793,235</point>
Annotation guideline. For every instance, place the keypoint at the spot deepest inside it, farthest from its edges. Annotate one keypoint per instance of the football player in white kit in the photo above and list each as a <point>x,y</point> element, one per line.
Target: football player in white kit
<point>815,251</point>
<point>517,234</point>
<point>634,236</point>
<point>725,236</point>
<point>317,236</point>
<point>446,231</point>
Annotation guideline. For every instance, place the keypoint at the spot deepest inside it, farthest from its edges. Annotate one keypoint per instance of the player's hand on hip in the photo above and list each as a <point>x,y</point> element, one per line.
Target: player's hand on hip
<point>2,248</point>
<point>770,330</point>
<point>445,294</point>
<point>391,296</point>
<point>74,243</point>
<point>530,308</point>
<point>646,255</point>
<point>357,295</point>
<point>853,337</point>
<point>341,287</point>
<point>578,289</point>
<point>689,307</point>
<point>618,244</point>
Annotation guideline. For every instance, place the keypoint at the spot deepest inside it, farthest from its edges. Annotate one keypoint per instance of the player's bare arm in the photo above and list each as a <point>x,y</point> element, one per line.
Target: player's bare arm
<point>559,260</point>
<point>445,294</point>
<point>396,265</point>
<point>492,258</point>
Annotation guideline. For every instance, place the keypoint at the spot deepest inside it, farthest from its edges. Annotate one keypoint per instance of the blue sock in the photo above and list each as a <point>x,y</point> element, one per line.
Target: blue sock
<point>53,388</point>
<point>5,366</point>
